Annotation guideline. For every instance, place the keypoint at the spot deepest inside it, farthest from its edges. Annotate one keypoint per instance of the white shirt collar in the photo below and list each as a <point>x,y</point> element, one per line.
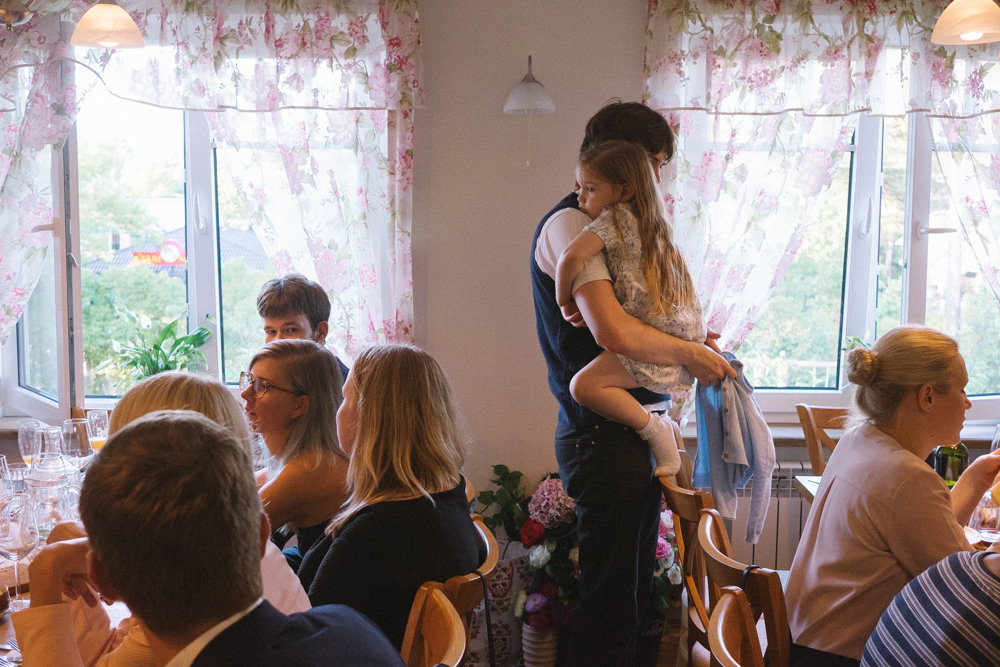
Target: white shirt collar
<point>191,651</point>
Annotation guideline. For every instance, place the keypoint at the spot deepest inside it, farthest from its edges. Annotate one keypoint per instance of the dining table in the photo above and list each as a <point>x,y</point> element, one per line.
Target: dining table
<point>808,485</point>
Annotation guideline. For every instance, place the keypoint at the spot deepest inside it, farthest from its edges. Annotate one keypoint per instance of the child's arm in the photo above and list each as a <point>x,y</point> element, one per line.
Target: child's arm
<point>583,247</point>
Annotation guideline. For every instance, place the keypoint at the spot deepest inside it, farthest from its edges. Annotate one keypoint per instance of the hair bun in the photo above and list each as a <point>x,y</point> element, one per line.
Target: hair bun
<point>862,365</point>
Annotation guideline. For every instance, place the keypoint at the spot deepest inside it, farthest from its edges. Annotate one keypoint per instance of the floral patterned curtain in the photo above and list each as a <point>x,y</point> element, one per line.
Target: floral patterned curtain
<point>765,96</point>
<point>313,100</point>
<point>36,112</point>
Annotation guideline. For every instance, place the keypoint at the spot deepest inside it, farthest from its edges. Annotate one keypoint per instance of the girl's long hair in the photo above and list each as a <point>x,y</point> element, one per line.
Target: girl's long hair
<point>663,266</point>
<point>408,438</point>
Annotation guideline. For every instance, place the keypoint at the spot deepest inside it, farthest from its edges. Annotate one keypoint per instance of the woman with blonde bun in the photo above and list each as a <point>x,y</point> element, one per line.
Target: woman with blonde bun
<point>97,641</point>
<point>882,515</point>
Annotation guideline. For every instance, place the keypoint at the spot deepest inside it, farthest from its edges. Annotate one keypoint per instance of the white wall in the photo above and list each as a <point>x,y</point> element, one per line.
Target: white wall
<point>483,180</point>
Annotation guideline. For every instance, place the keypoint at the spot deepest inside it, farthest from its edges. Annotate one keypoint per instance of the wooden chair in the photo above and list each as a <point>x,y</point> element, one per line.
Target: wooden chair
<point>815,420</point>
<point>435,634</point>
<point>466,591</point>
<point>761,586</point>
<point>686,506</point>
<point>470,493</point>
<point>732,635</point>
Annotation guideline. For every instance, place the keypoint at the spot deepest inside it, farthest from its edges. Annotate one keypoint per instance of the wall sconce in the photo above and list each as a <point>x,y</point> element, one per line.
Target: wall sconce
<point>528,97</point>
<point>968,22</point>
<point>108,26</point>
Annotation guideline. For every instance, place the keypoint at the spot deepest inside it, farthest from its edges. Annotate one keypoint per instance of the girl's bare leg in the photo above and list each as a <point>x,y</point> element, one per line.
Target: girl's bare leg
<point>602,387</point>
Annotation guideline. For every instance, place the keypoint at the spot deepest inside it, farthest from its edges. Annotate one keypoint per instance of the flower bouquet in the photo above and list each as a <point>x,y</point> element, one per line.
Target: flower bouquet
<point>668,578</point>
<point>549,534</point>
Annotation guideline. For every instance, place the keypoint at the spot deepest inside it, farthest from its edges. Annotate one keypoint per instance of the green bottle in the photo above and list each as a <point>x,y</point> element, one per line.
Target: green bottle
<point>950,462</point>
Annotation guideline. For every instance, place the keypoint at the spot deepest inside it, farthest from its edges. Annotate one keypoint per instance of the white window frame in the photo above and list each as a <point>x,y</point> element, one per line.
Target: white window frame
<point>203,276</point>
<point>861,273</point>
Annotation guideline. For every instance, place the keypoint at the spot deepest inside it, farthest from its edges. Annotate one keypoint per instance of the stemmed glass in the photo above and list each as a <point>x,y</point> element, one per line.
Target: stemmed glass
<point>986,516</point>
<point>98,420</point>
<point>28,439</point>
<point>18,538</point>
<point>76,442</point>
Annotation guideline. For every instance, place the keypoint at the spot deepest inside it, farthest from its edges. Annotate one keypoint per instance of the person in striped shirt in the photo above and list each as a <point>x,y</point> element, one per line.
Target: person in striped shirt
<point>948,615</point>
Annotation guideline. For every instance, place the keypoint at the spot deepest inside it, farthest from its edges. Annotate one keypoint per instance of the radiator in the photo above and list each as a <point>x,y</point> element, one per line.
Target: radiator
<point>786,514</point>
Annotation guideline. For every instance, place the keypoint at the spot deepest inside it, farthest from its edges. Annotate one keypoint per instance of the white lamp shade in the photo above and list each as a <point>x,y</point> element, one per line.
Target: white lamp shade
<point>108,26</point>
<point>968,22</point>
<point>529,97</point>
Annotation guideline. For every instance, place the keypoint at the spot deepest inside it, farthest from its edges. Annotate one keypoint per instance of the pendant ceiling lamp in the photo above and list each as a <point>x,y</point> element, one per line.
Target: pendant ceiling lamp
<point>108,26</point>
<point>968,22</point>
<point>529,97</point>
<point>14,13</point>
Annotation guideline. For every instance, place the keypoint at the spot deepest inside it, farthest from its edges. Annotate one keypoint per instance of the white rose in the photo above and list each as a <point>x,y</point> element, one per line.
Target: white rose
<point>539,556</point>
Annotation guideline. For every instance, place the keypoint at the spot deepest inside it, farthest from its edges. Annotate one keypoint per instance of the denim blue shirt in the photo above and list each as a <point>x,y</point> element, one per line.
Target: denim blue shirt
<point>734,445</point>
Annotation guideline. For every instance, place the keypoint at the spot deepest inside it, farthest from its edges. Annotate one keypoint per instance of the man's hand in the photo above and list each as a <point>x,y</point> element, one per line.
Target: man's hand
<point>711,339</point>
<point>707,365</point>
<point>60,568</point>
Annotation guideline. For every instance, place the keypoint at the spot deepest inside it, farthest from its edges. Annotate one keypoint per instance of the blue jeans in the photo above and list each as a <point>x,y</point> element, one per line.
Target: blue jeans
<point>608,471</point>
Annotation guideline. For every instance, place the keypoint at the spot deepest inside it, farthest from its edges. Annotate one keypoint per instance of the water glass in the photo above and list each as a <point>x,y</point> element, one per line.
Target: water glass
<point>18,538</point>
<point>16,474</point>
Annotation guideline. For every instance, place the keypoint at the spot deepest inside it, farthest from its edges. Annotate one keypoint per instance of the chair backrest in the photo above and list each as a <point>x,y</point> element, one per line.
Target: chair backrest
<point>683,476</point>
<point>815,420</point>
<point>435,634</point>
<point>470,493</point>
<point>686,506</point>
<point>761,586</point>
<point>732,634</point>
<point>465,591</point>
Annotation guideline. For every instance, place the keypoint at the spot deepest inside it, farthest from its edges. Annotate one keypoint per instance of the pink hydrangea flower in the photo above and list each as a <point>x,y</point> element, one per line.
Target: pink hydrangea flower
<point>550,506</point>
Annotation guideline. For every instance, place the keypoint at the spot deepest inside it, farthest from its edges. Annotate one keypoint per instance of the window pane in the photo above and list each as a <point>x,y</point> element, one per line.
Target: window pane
<point>244,268</point>
<point>891,223</point>
<point>132,226</point>
<point>958,301</point>
<point>37,346</point>
<point>796,342</point>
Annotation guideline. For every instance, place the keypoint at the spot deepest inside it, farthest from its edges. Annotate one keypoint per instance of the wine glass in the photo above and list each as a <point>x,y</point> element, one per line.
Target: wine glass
<point>18,538</point>
<point>76,442</point>
<point>28,439</point>
<point>98,420</point>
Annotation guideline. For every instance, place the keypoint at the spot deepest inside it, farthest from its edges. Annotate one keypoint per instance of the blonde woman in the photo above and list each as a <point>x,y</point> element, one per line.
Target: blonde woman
<point>882,515</point>
<point>406,520</point>
<point>292,393</point>
<point>97,642</point>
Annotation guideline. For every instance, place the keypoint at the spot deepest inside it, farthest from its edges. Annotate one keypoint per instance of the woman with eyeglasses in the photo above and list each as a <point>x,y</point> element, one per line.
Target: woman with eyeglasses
<point>292,392</point>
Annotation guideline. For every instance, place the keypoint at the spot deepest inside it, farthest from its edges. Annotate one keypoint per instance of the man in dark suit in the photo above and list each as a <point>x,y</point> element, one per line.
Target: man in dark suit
<point>176,531</point>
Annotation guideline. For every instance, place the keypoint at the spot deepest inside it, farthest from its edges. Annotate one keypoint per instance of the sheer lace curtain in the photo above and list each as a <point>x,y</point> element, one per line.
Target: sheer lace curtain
<point>765,96</point>
<point>313,100</point>
<point>37,111</point>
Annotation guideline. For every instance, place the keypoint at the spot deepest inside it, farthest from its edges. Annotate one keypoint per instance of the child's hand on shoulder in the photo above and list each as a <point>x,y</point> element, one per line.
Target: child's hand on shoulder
<point>572,314</point>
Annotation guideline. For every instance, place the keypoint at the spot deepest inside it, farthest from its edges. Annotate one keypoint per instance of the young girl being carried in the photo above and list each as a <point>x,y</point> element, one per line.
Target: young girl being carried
<point>616,188</point>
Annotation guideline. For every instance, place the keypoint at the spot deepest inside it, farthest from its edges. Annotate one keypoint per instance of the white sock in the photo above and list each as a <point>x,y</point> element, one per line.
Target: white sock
<point>663,444</point>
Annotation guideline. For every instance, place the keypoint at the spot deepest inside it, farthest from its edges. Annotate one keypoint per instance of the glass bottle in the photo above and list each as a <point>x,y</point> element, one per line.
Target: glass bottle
<point>950,462</point>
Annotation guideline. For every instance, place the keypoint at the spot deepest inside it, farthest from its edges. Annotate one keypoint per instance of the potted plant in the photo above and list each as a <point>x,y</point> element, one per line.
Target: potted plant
<point>152,349</point>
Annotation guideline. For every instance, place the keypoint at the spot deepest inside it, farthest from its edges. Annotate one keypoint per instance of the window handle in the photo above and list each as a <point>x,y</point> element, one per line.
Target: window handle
<point>866,228</point>
<point>199,220</point>
<point>924,230</point>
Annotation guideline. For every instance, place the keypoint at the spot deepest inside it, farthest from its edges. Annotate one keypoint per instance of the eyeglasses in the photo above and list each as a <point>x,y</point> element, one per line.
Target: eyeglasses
<point>260,385</point>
